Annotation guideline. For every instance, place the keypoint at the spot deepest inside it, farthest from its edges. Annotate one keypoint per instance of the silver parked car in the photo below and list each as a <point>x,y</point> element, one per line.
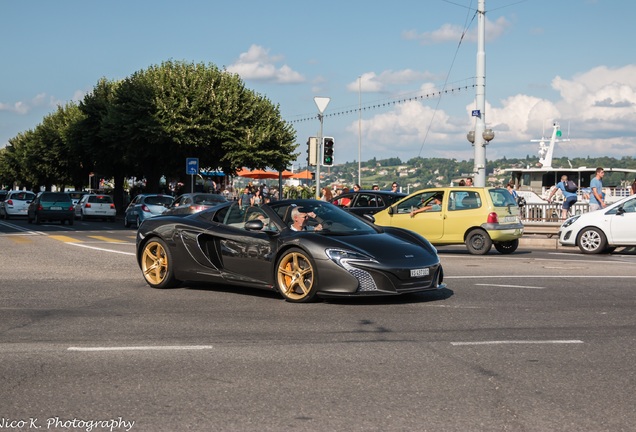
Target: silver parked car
<point>146,206</point>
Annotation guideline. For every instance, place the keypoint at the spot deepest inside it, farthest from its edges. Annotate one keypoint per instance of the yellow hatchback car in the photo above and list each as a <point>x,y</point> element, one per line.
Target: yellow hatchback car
<point>476,216</point>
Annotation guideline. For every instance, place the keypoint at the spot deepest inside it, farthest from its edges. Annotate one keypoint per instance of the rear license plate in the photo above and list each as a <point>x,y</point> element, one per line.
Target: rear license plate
<point>510,219</point>
<point>419,272</point>
<point>56,208</point>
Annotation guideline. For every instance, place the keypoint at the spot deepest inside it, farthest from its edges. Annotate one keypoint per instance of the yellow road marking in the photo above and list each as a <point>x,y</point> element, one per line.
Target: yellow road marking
<point>65,239</point>
<point>107,239</point>
<point>20,239</point>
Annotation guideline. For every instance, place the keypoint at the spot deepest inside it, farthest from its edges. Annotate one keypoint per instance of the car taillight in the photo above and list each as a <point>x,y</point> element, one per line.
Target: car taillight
<point>10,202</point>
<point>40,207</point>
<point>144,207</point>
<point>493,218</point>
<point>112,206</point>
<point>197,208</point>
<point>88,205</point>
<point>71,208</point>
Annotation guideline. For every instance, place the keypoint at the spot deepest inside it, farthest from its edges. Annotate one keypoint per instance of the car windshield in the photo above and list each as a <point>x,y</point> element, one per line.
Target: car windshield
<point>55,197</point>
<point>502,198</point>
<point>159,200</point>
<point>23,196</point>
<point>100,199</point>
<point>333,219</point>
<point>209,199</point>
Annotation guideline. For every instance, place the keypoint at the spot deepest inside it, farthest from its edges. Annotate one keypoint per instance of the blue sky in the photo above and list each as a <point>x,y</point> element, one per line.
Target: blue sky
<point>570,61</point>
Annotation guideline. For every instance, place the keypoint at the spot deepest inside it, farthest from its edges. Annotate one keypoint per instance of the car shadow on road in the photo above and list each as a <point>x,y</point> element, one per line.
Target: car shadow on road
<point>421,297</point>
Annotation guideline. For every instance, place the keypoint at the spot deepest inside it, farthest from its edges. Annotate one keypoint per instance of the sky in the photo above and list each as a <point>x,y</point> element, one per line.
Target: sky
<point>399,75</point>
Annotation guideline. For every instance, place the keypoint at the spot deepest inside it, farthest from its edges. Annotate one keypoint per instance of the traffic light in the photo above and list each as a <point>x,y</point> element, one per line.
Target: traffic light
<point>327,151</point>
<point>312,151</point>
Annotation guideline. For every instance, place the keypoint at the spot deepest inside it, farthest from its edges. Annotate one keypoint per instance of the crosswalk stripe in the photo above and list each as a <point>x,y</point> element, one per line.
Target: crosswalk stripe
<point>65,239</point>
<point>106,239</point>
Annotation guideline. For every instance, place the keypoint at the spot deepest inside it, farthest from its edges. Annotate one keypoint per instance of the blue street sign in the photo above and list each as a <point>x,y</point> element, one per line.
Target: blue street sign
<point>476,113</point>
<point>192,166</point>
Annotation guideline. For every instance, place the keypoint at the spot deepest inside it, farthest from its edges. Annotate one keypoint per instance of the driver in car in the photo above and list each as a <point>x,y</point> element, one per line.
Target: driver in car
<point>299,221</point>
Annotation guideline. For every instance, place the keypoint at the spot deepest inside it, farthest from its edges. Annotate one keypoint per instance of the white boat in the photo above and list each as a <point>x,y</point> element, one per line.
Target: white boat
<point>536,183</point>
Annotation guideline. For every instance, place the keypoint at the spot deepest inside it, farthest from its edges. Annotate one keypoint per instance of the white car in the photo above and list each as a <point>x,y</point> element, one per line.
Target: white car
<point>94,206</point>
<point>16,204</point>
<point>604,230</point>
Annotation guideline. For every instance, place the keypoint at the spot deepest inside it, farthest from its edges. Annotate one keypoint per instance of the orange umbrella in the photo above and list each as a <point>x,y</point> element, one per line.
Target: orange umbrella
<point>303,175</point>
<point>258,174</point>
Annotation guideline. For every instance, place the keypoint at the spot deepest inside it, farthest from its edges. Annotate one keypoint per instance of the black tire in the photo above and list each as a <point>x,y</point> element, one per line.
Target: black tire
<point>6,216</point>
<point>478,242</point>
<point>157,265</point>
<point>591,241</point>
<point>507,247</point>
<point>37,219</point>
<point>71,221</point>
<point>82,217</point>
<point>296,276</point>
<point>62,221</point>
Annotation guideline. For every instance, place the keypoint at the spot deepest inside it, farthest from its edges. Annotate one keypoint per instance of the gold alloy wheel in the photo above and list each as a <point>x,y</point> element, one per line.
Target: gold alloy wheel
<point>295,277</point>
<point>155,263</point>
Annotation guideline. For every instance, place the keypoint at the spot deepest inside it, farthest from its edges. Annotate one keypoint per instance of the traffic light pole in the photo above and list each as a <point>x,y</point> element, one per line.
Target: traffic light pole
<point>321,103</point>
<point>318,157</point>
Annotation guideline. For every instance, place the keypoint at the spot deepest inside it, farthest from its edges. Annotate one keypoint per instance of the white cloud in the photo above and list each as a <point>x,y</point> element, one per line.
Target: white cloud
<point>24,107</point>
<point>370,82</point>
<point>453,33</point>
<point>596,108</point>
<point>257,64</point>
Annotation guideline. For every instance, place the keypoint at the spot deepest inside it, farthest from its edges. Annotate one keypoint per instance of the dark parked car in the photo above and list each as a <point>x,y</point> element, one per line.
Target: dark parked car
<point>193,203</point>
<point>343,255</point>
<point>51,206</point>
<point>367,201</point>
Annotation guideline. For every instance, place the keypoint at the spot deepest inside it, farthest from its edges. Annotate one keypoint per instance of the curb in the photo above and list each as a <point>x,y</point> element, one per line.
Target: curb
<point>539,242</point>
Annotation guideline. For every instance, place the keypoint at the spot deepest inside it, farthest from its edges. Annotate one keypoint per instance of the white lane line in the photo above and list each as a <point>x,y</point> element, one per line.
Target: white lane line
<point>511,286</point>
<point>102,249</point>
<point>504,342</point>
<point>143,348</point>
<point>537,276</point>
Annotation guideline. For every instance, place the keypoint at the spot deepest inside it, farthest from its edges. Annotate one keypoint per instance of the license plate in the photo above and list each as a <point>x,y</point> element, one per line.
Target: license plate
<point>419,272</point>
<point>510,219</point>
<point>56,208</point>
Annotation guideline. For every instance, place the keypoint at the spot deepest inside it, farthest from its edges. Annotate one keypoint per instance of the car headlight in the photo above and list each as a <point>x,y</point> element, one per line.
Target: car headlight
<point>343,257</point>
<point>570,221</point>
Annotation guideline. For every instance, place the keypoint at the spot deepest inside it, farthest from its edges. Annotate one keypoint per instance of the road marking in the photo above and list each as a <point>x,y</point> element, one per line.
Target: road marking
<point>506,342</point>
<point>143,348</point>
<point>65,239</point>
<point>101,249</point>
<point>511,286</point>
<point>538,276</point>
<point>106,239</point>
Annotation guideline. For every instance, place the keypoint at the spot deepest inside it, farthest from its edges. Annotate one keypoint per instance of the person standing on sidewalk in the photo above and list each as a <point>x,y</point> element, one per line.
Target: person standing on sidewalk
<point>597,197</point>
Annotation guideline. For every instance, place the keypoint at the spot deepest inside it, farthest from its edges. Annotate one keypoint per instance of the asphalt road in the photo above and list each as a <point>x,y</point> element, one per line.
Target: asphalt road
<point>539,340</point>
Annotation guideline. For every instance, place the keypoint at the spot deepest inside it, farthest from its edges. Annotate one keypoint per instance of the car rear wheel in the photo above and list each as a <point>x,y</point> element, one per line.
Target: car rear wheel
<point>296,276</point>
<point>157,265</point>
<point>478,242</point>
<point>507,247</point>
<point>592,241</point>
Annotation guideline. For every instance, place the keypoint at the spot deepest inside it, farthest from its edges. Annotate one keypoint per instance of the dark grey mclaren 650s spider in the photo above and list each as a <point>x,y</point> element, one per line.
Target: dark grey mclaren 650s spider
<point>302,248</point>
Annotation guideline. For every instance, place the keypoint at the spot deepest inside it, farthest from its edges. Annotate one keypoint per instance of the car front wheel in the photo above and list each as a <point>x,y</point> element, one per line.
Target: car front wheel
<point>157,265</point>
<point>478,242</point>
<point>296,276</point>
<point>507,247</point>
<point>592,241</point>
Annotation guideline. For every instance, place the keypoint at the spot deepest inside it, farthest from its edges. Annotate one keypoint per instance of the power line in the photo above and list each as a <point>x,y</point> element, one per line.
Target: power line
<point>388,103</point>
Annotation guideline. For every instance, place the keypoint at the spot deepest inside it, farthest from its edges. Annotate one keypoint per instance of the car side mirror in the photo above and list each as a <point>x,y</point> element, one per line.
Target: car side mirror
<point>390,210</point>
<point>369,217</point>
<point>254,225</point>
<point>620,211</point>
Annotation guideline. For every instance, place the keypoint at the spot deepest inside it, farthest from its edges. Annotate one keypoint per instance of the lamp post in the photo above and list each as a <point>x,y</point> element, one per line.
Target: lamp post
<point>480,98</point>
<point>321,103</point>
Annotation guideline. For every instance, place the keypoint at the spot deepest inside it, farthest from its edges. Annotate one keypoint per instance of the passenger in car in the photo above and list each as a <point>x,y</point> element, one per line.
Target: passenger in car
<point>434,205</point>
